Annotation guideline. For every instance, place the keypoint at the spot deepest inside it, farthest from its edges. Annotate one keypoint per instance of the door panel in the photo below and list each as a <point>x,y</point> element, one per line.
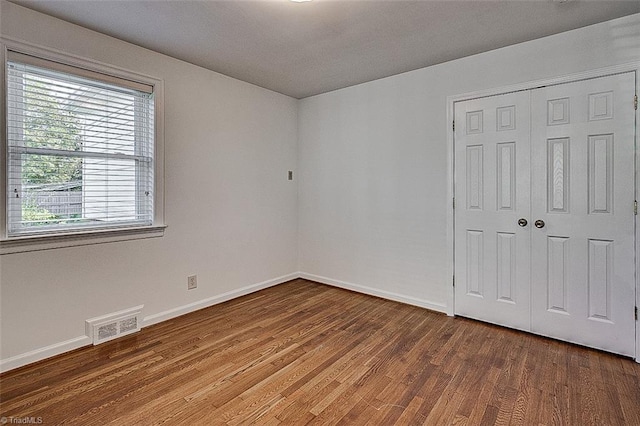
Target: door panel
<point>582,152</point>
<point>561,157</point>
<point>492,251</point>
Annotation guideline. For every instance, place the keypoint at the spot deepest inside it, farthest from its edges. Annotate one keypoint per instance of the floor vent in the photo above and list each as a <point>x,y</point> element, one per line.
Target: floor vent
<point>111,326</point>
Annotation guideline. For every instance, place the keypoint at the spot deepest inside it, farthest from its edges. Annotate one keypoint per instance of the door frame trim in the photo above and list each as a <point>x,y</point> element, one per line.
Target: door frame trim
<point>451,101</point>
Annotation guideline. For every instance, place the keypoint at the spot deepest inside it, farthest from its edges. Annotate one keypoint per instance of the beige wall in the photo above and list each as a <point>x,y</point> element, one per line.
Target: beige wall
<point>371,212</point>
<point>230,209</point>
<point>373,161</point>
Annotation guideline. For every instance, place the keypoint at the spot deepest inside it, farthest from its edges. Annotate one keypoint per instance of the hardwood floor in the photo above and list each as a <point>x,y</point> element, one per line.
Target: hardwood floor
<point>305,353</point>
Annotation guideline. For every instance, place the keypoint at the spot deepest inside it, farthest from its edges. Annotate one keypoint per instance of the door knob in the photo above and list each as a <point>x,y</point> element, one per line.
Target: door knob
<point>522,222</point>
<point>539,223</point>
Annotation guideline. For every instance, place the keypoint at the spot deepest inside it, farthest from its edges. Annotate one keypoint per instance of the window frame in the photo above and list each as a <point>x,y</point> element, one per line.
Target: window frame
<point>68,238</point>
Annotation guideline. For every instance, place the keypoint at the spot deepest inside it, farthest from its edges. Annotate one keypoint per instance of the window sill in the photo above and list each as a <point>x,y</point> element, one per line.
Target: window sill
<point>48,242</point>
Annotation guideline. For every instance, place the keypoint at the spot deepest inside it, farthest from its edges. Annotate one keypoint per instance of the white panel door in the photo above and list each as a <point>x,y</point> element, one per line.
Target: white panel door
<point>561,157</point>
<point>492,194</point>
<point>582,155</point>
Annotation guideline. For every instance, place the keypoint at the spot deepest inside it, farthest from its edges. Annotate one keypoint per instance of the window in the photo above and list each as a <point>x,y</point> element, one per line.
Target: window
<point>80,150</point>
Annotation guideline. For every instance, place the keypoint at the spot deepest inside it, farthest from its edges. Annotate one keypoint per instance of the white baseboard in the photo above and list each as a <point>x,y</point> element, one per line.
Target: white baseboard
<point>438,307</point>
<point>43,353</point>
<point>205,303</point>
<point>78,342</point>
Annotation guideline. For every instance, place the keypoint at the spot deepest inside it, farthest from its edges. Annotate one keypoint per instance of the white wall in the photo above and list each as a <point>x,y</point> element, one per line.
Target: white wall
<point>373,161</point>
<point>230,209</point>
<point>368,211</point>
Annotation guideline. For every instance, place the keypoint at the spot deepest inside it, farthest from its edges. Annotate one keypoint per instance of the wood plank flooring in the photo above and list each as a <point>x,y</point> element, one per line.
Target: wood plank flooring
<point>305,353</point>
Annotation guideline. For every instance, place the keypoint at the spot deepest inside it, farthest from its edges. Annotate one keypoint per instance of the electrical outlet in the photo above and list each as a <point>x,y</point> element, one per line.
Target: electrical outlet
<point>290,175</point>
<point>192,282</point>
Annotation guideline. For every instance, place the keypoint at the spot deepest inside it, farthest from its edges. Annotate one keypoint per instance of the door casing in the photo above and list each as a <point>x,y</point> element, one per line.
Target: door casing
<point>451,100</point>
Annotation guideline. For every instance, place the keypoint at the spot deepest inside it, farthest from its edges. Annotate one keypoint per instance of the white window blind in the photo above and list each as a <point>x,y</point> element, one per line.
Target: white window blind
<point>80,150</point>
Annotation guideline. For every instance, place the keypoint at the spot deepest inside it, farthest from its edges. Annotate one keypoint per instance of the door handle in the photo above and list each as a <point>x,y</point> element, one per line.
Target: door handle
<point>539,224</point>
<point>522,222</point>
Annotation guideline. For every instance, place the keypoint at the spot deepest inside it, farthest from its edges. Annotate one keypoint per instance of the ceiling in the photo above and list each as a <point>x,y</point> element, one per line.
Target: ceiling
<point>303,49</point>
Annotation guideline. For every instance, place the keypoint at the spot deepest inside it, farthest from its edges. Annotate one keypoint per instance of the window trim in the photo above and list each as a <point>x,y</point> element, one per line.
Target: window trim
<point>71,238</point>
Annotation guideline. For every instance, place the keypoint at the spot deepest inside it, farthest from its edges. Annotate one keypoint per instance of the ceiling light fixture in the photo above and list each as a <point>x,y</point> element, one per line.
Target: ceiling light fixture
<point>300,1</point>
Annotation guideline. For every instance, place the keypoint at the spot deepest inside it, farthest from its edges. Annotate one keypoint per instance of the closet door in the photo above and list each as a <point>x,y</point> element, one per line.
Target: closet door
<point>492,240</point>
<point>582,212</point>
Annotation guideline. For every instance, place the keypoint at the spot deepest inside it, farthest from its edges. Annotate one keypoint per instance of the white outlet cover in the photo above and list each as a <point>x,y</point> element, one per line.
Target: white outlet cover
<point>192,282</point>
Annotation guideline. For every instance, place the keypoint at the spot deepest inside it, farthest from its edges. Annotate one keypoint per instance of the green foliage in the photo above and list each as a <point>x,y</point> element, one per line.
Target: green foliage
<point>38,215</point>
<point>48,123</point>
